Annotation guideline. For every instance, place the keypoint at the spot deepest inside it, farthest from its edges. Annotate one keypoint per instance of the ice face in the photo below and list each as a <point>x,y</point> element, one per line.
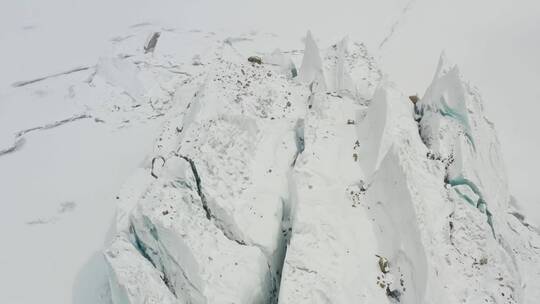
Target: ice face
<point>268,188</point>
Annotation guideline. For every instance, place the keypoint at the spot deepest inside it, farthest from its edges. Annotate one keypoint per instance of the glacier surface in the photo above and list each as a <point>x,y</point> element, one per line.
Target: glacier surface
<point>309,178</point>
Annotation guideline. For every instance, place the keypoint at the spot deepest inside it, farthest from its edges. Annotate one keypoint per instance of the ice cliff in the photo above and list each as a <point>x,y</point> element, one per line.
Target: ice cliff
<point>310,178</point>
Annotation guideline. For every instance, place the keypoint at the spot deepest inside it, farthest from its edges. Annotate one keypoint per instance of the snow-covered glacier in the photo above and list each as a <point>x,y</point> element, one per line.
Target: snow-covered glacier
<point>304,176</point>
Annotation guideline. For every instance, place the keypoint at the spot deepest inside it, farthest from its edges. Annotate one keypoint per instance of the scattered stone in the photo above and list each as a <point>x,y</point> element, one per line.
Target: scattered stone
<point>152,42</point>
<point>383,264</point>
<point>414,98</point>
<point>483,261</point>
<point>255,59</point>
<point>394,294</point>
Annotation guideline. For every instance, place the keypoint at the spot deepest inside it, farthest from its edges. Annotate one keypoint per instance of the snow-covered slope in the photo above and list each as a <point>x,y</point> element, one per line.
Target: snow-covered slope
<point>310,178</point>
<point>90,98</point>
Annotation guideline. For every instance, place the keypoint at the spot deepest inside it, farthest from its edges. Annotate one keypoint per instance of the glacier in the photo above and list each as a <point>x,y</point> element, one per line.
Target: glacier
<point>294,180</point>
<point>305,176</point>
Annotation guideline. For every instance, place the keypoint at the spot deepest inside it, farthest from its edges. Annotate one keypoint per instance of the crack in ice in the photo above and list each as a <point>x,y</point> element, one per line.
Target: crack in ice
<point>27,82</point>
<point>204,202</point>
<point>19,136</point>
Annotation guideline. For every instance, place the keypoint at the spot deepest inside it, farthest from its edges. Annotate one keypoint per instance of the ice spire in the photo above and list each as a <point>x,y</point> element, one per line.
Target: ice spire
<point>312,66</point>
<point>343,79</point>
<point>443,67</point>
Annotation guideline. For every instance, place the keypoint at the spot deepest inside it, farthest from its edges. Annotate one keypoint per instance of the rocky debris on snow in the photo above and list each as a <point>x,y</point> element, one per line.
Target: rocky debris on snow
<point>255,59</point>
<point>414,99</point>
<point>383,264</point>
<point>394,294</point>
<point>256,198</point>
<point>150,45</point>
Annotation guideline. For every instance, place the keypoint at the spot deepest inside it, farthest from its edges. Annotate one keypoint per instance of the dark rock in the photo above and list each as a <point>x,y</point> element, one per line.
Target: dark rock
<point>394,294</point>
<point>414,98</point>
<point>152,42</point>
<point>255,59</point>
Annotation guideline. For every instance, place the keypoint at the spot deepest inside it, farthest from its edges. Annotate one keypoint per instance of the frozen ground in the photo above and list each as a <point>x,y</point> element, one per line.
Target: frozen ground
<point>60,184</point>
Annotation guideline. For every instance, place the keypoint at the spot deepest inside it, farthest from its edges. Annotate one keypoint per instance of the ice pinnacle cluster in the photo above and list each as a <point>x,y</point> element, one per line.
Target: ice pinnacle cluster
<point>319,184</point>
